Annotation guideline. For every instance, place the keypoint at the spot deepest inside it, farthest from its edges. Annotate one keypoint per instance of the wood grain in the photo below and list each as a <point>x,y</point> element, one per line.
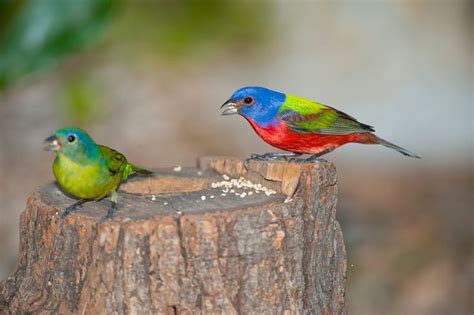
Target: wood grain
<point>281,253</point>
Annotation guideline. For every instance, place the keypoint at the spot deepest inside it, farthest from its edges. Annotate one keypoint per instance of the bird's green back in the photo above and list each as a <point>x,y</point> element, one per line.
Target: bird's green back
<point>307,116</point>
<point>115,161</point>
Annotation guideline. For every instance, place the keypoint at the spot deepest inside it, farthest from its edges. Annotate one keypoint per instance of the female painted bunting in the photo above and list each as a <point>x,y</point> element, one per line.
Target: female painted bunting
<point>299,125</point>
<point>87,170</point>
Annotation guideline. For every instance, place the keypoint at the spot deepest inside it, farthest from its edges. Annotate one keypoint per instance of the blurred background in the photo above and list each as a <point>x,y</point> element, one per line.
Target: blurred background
<point>148,77</point>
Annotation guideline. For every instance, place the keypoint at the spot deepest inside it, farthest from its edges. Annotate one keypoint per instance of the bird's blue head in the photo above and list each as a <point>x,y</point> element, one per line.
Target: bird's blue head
<point>74,143</point>
<point>256,103</point>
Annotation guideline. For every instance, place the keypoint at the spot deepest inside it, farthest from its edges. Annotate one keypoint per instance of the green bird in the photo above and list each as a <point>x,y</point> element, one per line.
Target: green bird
<point>87,170</point>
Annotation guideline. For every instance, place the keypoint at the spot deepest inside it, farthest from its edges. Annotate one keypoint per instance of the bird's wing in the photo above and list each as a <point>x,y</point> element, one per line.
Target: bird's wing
<point>306,116</point>
<point>116,161</point>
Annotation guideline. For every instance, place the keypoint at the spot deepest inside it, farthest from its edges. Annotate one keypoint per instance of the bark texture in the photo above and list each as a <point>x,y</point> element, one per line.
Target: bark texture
<point>178,246</point>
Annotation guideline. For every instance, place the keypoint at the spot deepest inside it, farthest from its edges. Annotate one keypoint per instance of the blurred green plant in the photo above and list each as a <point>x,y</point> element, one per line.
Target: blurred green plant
<point>80,102</point>
<point>176,30</point>
<point>36,34</point>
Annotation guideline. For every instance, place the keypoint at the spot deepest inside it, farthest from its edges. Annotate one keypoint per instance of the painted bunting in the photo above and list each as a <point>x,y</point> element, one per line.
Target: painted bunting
<point>87,170</point>
<point>299,125</point>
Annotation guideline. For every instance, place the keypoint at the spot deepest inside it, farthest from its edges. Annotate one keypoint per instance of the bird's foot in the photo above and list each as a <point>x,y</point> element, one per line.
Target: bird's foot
<point>66,212</point>
<point>110,213</point>
<point>265,157</point>
<point>274,156</point>
<point>313,158</point>
<point>71,208</point>
<point>297,160</point>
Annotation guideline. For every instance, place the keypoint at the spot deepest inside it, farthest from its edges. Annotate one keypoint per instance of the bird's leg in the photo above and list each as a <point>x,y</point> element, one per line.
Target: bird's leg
<point>274,156</point>
<point>72,207</point>
<point>111,211</point>
<point>316,157</point>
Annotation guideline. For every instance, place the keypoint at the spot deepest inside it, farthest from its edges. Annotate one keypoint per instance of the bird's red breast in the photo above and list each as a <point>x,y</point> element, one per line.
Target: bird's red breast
<point>281,137</point>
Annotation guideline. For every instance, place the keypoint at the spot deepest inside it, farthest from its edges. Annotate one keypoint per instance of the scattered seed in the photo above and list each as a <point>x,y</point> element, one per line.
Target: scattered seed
<point>153,197</point>
<point>165,203</point>
<point>231,185</point>
<point>177,168</point>
<point>212,196</point>
<point>203,198</point>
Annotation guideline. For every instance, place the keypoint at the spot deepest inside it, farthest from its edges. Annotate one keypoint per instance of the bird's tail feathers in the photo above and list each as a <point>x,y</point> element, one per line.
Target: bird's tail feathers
<point>396,147</point>
<point>140,170</point>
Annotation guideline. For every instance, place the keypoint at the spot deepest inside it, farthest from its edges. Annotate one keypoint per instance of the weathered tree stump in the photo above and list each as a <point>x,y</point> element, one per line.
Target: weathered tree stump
<point>182,247</point>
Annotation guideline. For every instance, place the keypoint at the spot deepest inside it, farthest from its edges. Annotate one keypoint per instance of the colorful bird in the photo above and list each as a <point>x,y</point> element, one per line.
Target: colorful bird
<point>299,125</point>
<point>87,170</point>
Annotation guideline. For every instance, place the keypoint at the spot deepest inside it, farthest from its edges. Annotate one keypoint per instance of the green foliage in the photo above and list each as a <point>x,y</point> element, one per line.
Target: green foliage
<point>80,103</point>
<point>179,29</point>
<point>36,34</point>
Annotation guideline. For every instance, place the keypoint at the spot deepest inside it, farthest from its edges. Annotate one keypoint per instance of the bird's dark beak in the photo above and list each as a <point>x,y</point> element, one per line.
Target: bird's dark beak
<point>230,107</point>
<point>51,143</point>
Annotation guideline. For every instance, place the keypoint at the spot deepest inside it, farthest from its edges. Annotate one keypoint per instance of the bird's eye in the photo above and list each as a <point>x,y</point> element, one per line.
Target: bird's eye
<point>71,138</point>
<point>248,100</point>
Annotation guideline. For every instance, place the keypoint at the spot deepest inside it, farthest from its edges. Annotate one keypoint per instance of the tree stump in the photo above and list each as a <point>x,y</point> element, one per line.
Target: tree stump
<point>190,241</point>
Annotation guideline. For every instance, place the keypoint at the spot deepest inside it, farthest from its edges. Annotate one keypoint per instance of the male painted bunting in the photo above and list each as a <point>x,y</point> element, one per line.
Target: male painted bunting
<point>87,170</point>
<point>299,125</point>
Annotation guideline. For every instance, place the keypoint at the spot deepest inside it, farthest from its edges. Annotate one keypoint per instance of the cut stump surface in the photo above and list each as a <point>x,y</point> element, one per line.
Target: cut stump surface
<point>184,242</point>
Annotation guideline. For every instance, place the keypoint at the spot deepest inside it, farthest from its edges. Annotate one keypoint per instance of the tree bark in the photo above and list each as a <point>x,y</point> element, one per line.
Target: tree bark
<point>179,246</point>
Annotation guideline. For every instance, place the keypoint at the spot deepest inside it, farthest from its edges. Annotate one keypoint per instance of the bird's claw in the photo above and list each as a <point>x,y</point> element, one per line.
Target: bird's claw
<point>63,215</point>
<point>110,213</point>
<point>311,159</point>
<point>67,212</point>
<point>296,160</point>
<point>267,157</point>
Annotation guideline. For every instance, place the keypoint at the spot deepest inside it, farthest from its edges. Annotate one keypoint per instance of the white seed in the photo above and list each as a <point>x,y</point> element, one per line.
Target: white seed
<point>203,197</point>
<point>212,196</point>
<point>165,203</point>
<point>153,197</point>
<point>177,168</point>
<point>225,177</point>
